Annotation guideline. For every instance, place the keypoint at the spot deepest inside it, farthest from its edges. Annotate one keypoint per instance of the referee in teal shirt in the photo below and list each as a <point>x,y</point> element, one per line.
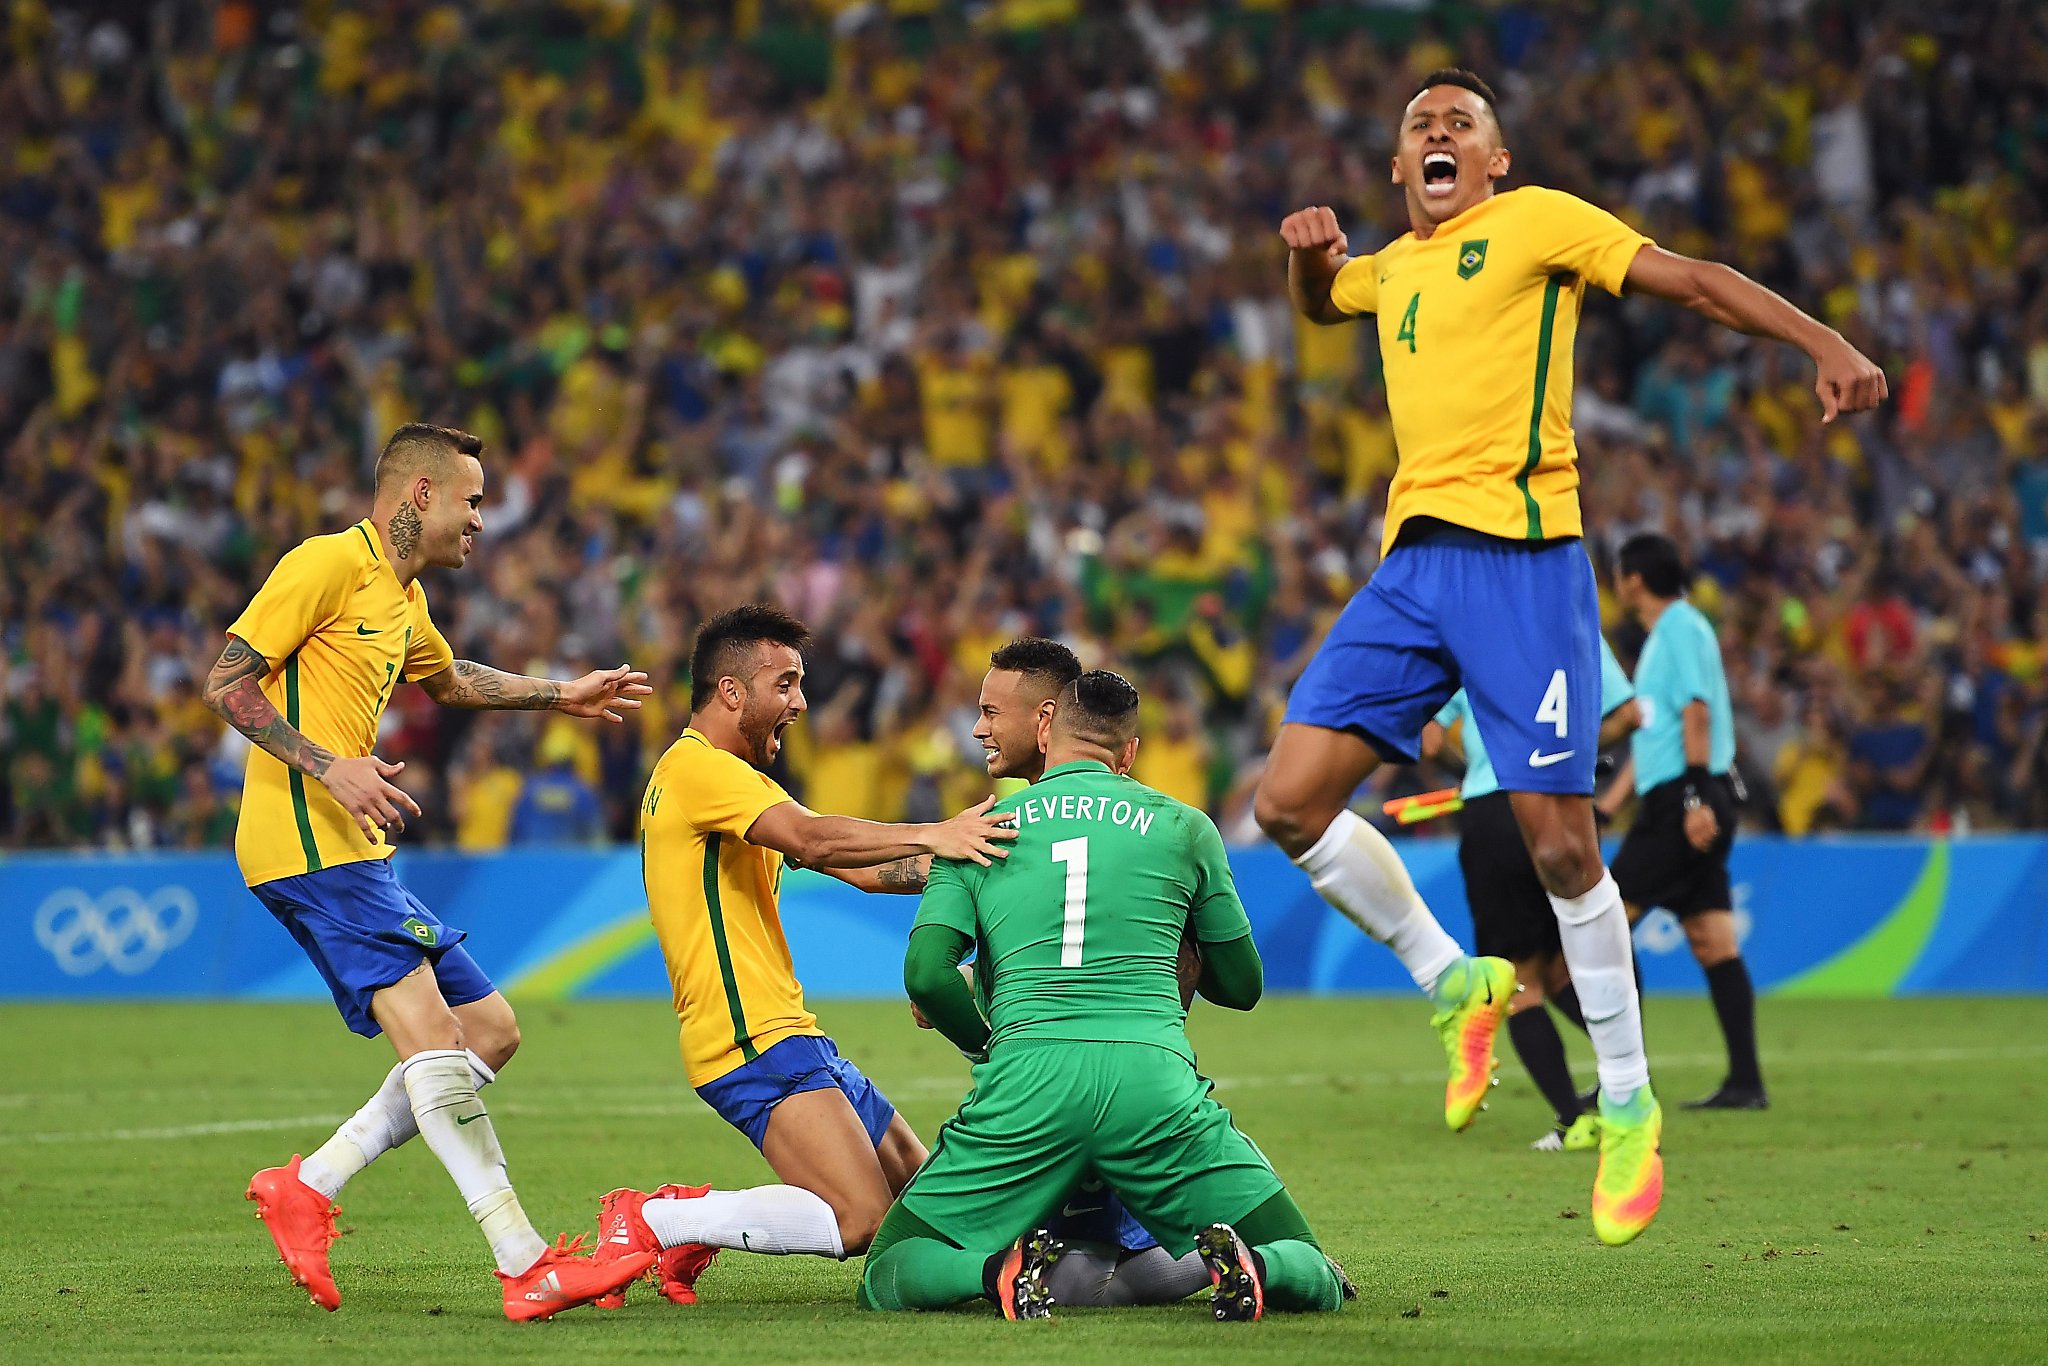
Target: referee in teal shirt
<point>1676,853</point>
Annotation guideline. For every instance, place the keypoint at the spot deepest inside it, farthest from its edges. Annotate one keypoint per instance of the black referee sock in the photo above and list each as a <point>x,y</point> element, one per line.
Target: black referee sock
<point>1542,1052</point>
<point>1735,1004</point>
<point>1567,1003</point>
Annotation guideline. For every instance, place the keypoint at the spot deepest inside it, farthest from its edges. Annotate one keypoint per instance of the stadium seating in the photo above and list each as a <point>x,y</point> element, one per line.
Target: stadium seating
<point>952,324</point>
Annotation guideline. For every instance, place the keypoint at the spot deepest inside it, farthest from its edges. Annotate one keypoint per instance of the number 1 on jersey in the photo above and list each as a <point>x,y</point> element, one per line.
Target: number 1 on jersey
<point>1073,853</point>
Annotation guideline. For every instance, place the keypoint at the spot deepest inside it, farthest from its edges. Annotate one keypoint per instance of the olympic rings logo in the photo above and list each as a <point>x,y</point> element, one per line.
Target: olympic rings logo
<point>120,928</point>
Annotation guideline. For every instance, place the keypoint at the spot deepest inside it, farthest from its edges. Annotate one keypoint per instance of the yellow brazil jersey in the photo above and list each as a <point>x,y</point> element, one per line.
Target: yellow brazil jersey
<point>339,635</point>
<point>712,897</point>
<point>1476,327</point>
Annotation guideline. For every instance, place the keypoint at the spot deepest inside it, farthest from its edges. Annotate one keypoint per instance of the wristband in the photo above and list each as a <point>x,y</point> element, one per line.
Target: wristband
<point>1696,779</point>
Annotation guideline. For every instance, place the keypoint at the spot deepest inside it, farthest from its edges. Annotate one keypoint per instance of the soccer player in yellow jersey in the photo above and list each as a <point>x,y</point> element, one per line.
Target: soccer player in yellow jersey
<point>1484,581</point>
<point>307,671</point>
<point>715,834</point>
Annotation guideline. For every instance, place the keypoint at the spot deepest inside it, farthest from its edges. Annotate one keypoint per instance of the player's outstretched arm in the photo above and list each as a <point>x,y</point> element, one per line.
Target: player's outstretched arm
<point>1620,723</point>
<point>904,877</point>
<point>815,841</point>
<point>1848,381</point>
<point>234,691</point>
<point>605,693</point>
<point>1609,803</point>
<point>1316,251</point>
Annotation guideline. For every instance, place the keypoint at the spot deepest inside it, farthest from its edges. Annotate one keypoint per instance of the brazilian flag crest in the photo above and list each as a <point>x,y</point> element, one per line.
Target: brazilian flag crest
<point>1471,258</point>
<point>420,930</point>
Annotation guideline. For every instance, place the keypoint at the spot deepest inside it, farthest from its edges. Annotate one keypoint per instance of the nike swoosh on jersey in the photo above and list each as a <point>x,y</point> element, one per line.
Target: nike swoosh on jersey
<point>1538,759</point>
<point>363,630</point>
<point>1070,1212</point>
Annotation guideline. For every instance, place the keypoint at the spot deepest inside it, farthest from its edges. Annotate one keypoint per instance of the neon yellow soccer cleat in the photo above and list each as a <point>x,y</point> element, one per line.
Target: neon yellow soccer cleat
<point>1630,1183</point>
<point>1467,1029</point>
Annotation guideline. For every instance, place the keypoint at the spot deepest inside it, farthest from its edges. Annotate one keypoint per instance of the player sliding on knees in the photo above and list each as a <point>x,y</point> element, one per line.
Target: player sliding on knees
<point>1085,1072</point>
<point>339,624</point>
<point>1484,581</point>
<point>716,833</point>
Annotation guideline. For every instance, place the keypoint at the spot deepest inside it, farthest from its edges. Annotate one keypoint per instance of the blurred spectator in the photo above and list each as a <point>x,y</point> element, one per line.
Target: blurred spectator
<point>486,791</point>
<point>942,324</point>
<point>1889,757</point>
<point>1173,756</point>
<point>1811,772</point>
<point>556,805</point>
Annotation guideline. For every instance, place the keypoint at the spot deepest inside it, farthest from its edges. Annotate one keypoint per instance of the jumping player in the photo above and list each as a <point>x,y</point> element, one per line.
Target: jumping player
<point>1087,1071</point>
<point>1511,916</point>
<point>1675,855</point>
<point>339,624</point>
<point>1483,581</point>
<point>715,834</point>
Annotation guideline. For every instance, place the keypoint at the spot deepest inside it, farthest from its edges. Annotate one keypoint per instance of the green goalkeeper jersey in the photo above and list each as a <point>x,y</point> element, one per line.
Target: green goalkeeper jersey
<point>1079,929</point>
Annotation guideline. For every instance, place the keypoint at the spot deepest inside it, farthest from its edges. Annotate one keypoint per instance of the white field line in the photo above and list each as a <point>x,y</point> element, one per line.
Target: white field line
<point>171,1131</point>
<point>687,1105</point>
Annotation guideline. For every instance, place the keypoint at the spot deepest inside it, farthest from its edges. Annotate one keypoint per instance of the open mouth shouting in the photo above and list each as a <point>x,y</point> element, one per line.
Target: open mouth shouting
<point>1439,174</point>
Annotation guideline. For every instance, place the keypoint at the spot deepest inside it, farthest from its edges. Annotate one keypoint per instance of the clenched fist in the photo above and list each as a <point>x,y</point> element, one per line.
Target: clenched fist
<point>1315,229</point>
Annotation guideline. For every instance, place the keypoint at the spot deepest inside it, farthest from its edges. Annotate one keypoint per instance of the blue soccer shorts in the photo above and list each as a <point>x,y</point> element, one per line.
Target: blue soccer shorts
<point>1517,624</point>
<point>363,931</point>
<point>744,1096</point>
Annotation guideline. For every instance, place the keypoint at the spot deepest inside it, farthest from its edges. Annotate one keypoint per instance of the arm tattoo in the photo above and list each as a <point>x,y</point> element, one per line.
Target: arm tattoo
<point>472,686</point>
<point>405,529</point>
<point>905,874</point>
<point>234,691</point>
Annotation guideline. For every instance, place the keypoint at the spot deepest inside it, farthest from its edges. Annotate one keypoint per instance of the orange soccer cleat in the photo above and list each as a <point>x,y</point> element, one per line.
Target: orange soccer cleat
<point>622,1231</point>
<point>1467,1027</point>
<point>563,1279</point>
<point>1628,1188</point>
<point>301,1223</point>
<point>1237,1287</point>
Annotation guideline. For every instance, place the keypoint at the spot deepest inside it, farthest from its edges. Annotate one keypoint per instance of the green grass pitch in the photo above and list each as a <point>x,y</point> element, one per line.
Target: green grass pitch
<point>1894,1206</point>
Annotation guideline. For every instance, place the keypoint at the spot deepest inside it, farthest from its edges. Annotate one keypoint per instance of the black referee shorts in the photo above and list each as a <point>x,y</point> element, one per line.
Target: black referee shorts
<point>1511,914</point>
<point>1657,865</point>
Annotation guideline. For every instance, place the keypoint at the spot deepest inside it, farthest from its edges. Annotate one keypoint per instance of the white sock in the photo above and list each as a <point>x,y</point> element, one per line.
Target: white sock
<point>1354,869</point>
<point>771,1219</point>
<point>442,1089</point>
<point>385,1122</point>
<point>1594,928</point>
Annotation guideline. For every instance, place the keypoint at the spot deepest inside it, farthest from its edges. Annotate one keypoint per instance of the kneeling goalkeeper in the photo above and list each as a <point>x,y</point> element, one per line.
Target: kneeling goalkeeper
<point>1085,1069</point>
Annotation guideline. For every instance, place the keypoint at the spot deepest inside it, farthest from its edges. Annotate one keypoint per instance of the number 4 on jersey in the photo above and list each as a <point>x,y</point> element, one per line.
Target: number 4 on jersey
<point>1407,332</point>
<point>1555,705</point>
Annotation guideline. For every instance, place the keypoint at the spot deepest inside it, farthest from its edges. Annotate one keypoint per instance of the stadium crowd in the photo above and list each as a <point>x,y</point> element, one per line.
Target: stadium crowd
<point>941,324</point>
